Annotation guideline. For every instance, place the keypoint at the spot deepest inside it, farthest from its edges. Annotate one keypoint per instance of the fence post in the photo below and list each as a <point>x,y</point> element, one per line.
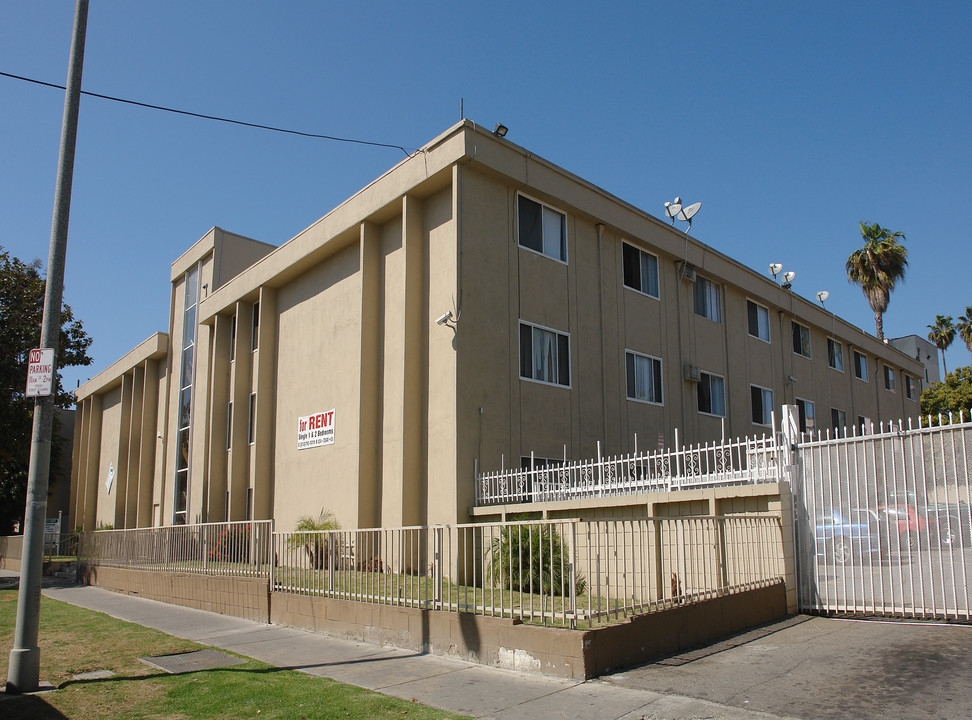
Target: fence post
<point>572,574</point>
<point>600,471</point>
<point>790,427</point>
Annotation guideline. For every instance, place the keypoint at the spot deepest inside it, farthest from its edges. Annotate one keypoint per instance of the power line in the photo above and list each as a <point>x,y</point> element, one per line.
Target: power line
<point>213,117</point>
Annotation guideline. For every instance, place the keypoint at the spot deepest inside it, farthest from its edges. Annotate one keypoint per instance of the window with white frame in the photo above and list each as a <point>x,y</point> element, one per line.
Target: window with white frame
<point>807,416</point>
<point>644,377</point>
<point>708,302</point>
<point>712,394</point>
<point>759,326</point>
<point>889,378</point>
<point>911,388</point>
<point>544,355</point>
<point>255,328</point>
<point>541,228</point>
<point>835,354</point>
<point>762,402</point>
<point>860,366</point>
<point>640,270</point>
<point>801,339</point>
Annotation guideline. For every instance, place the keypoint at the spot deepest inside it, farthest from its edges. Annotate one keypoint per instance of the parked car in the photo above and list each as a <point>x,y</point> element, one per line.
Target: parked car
<point>906,525</point>
<point>845,536</point>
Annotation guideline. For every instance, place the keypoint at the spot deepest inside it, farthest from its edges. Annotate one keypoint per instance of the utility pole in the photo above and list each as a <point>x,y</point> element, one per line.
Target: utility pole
<point>23,673</point>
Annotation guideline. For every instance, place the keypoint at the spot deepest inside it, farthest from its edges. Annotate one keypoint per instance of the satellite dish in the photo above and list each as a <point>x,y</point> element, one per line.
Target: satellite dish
<point>775,268</point>
<point>673,209</point>
<point>822,296</point>
<point>788,276</point>
<point>688,213</point>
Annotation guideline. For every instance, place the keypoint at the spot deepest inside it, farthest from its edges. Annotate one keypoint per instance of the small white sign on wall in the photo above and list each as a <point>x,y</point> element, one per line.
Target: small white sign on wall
<point>110,478</point>
<point>315,430</point>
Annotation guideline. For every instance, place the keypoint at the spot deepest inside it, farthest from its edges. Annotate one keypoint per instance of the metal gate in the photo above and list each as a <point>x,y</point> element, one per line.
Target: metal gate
<point>883,522</point>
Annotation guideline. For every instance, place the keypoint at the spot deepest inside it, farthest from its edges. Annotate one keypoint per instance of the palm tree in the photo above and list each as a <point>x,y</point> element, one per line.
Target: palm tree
<point>964,327</point>
<point>942,334</point>
<point>876,267</point>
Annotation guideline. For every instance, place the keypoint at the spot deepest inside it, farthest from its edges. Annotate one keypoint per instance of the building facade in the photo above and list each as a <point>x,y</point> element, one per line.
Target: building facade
<point>473,305</point>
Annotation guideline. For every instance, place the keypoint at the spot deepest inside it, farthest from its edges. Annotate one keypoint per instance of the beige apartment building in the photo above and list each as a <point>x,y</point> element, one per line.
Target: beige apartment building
<point>473,305</point>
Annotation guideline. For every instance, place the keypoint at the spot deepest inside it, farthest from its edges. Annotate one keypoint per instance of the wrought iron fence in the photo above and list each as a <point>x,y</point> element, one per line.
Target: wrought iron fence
<point>734,462</point>
<point>229,548</point>
<point>568,573</point>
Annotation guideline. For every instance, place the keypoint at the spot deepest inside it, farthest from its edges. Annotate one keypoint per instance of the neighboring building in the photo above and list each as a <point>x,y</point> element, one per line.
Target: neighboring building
<point>924,352</point>
<point>326,373</point>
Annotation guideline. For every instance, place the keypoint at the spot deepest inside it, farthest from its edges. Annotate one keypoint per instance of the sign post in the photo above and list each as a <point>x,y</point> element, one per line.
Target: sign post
<point>23,670</point>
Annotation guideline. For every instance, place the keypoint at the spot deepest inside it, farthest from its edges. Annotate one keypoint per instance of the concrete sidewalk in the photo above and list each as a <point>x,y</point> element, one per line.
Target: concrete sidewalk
<point>451,685</point>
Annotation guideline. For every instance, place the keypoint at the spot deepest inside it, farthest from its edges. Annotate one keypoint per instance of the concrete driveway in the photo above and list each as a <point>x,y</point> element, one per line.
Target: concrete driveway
<point>814,667</point>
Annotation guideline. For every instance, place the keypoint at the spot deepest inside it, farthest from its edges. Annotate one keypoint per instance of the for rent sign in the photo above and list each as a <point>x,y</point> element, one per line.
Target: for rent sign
<point>40,372</point>
<point>315,430</point>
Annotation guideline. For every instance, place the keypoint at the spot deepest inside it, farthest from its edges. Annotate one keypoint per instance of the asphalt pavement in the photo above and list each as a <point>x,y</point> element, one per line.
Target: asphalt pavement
<point>802,667</point>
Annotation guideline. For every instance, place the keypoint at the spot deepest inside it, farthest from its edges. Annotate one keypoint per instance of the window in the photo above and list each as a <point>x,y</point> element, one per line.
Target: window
<point>644,378</point>
<point>541,228</point>
<point>835,354</point>
<point>640,270</point>
<point>255,335</point>
<point>864,424</point>
<point>544,355</point>
<point>229,425</point>
<point>838,420</point>
<point>712,394</point>
<point>860,366</point>
<point>758,320</point>
<point>805,410</point>
<point>911,388</point>
<point>251,421</point>
<point>762,399</point>
<point>233,339</point>
<point>889,378</point>
<point>801,339</point>
<point>707,303</point>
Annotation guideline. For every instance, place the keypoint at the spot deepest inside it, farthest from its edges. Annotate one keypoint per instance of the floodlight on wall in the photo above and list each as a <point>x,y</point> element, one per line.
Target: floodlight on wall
<point>444,318</point>
<point>500,130</point>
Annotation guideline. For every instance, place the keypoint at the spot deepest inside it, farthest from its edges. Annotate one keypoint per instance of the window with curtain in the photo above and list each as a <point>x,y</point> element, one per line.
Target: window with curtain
<point>712,394</point>
<point>644,378</point>
<point>707,301</point>
<point>544,355</point>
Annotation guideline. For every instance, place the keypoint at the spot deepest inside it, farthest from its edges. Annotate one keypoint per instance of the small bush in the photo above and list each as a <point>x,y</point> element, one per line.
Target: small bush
<point>232,545</point>
<point>514,560</point>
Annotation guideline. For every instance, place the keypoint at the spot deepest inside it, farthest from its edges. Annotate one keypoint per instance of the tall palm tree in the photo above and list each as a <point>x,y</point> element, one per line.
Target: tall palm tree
<point>876,267</point>
<point>964,327</point>
<point>942,334</point>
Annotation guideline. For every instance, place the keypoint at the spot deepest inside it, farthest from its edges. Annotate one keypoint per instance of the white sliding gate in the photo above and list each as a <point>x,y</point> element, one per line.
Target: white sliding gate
<point>883,522</point>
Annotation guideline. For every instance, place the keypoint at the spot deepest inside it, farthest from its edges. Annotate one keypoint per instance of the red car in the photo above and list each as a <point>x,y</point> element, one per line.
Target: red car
<point>910,526</point>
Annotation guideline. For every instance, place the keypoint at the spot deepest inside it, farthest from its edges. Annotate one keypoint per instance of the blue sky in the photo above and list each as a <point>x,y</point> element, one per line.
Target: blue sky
<point>791,122</point>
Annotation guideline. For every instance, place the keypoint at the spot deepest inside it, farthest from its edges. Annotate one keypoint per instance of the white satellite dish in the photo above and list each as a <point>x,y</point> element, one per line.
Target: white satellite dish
<point>688,213</point>
<point>822,296</point>
<point>673,208</point>
<point>775,268</point>
<point>788,276</point>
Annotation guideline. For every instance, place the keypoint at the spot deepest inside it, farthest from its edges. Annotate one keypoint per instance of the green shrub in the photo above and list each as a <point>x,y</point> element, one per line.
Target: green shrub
<point>514,560</point>
<point>310,537</point>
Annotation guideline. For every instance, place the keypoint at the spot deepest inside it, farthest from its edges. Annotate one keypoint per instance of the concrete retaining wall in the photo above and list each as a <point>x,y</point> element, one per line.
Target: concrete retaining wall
<point>11,550</point>
<point>498,642</point>
<point>247,598</point>
<point>578,654</point>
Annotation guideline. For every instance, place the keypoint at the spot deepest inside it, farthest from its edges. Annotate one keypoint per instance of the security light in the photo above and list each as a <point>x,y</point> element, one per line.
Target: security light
<point>444,318</point>
<point>500,130</point>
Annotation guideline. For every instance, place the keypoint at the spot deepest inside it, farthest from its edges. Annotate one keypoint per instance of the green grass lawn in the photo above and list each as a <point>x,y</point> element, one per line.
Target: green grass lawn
<point>75,640</point>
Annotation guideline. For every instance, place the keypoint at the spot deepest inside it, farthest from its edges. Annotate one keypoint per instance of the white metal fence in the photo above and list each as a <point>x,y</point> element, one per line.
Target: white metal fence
<point>884,521</point>
<point>734,462</point>
<point>559,572</point>
<point>228,548</point>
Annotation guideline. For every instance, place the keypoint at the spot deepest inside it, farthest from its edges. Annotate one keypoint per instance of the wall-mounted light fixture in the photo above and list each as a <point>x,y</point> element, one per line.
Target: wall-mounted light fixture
<point>500,130</point>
